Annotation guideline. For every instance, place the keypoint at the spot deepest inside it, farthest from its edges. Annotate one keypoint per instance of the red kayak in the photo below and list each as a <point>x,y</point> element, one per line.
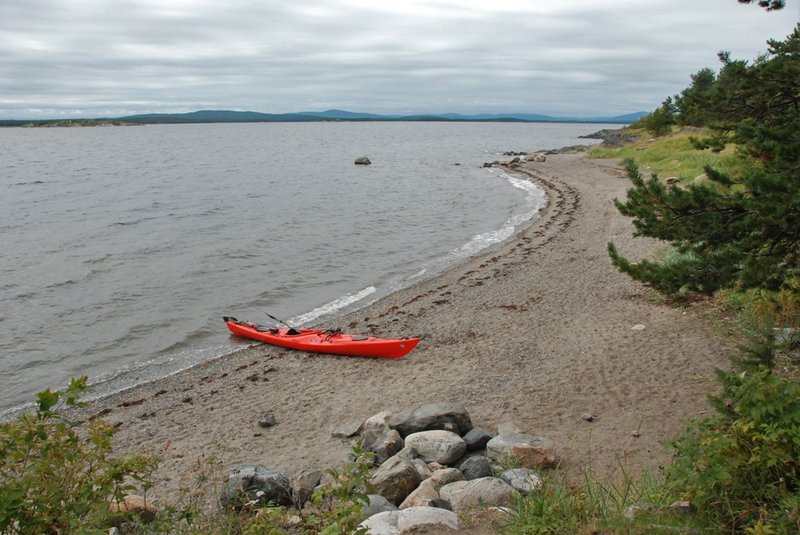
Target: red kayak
<point>322,341</point>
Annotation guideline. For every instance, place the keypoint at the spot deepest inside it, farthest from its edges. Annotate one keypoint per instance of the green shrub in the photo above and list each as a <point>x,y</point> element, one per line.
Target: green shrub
<point>55,479</point>
<point>340,500</point>
<point>740,469</point>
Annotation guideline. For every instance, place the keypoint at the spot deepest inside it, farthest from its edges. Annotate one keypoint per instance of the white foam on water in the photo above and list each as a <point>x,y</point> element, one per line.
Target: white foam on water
<point>536,199</point>
<point>334,306</point>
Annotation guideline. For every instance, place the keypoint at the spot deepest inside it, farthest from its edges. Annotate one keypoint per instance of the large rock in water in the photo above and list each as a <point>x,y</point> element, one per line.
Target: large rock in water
<point>254,483</point>
<point>363,161</point>
<point>437,446</point>
<point>446,415</point>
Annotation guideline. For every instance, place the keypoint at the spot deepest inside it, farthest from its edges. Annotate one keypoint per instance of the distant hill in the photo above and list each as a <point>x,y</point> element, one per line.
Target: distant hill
<point>216,116</point>
<point>227,116</point>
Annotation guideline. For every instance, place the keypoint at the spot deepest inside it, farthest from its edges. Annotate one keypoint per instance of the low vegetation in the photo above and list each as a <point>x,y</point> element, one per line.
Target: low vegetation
<point>58,478</point>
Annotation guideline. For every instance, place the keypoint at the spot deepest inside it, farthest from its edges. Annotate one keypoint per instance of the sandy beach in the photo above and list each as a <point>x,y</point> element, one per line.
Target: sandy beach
<point>536,333</point>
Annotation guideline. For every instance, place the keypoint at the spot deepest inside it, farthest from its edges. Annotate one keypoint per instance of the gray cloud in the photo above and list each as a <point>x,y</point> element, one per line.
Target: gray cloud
<point>583,57</point>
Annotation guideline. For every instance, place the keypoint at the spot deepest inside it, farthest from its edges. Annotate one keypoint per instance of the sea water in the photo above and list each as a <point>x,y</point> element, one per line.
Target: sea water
<point>123,247</point>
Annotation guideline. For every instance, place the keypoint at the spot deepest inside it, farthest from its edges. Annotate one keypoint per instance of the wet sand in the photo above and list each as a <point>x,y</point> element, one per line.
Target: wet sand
<point>536,333</point>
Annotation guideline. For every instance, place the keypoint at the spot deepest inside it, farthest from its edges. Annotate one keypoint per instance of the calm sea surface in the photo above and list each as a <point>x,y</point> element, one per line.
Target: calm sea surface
<point>122,247</point>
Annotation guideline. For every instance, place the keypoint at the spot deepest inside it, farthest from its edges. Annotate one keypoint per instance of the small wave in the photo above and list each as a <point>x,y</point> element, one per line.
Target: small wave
<point>136,373</point>
<point>187,342</point>
<point>334,306</point>
<point>419,274</point>
<point>132,222</point>
<point>31,183</point>
<point>60,284</point>
<point>98,259</point>
<point>536,199</point>
<point>484,240</point>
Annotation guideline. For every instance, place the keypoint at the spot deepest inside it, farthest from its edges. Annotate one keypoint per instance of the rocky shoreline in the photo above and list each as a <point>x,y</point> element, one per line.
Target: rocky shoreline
<point>540,333</point>
<point>432,465</point>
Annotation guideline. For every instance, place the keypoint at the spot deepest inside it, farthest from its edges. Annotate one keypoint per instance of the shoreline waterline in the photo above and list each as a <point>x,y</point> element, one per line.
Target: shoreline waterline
<point>127,244</point>
<point>118,382</point>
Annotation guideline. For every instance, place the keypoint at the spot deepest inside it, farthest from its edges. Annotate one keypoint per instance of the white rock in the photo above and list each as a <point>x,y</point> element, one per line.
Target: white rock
<point>446,476</point>
<point>464,495</point>
<point>422,468</point>
<point>444,447</point>
<point>526,449</point>
<point>405,520</point>
<point>426,494</point>
<point>524,480</point>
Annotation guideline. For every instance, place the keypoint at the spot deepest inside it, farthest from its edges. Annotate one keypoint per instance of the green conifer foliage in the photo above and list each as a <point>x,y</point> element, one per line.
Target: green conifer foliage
<point>741,230</point>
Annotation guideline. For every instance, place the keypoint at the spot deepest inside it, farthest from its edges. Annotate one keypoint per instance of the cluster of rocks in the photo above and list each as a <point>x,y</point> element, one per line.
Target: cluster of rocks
<point>518,159</point>
<point>432,464</point>
<point>612,137</point>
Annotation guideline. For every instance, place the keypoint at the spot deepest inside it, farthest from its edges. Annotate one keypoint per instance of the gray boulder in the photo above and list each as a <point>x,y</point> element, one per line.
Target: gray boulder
<point>375,426</point>
<point>396,478</point>
<point>303,485</point>
<point>464,495</point>
<point>347,429</point>
<point>425,495</point>
<point>437,446</point>
<point>422,468</point>
<point>526,449</point>
<point>446,476</point>
<point>524,480</point>
<point>476,467</point>
<point>254,484</point>
<point>363,160</point>
<point>430,416</point>
<point>411,520</point>
<point>378,438</point>
<point>383,445</point>
<point>477,438</point>
<point>377,504</point>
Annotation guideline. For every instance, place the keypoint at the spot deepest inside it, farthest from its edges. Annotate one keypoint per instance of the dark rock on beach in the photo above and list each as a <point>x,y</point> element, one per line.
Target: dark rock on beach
<point>254,484</point>
<point>432,416</point>
<point>476,467</point>
<point>477,438</point>
<point>612,137</point>
<point>303,485</point>
<point>396,479</point>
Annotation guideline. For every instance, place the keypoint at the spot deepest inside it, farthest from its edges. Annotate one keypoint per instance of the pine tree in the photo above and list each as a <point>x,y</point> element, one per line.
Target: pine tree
<point>737,230</point>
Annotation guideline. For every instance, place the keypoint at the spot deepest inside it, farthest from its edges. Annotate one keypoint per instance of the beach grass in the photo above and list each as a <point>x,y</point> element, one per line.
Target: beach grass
<point>673,155</point>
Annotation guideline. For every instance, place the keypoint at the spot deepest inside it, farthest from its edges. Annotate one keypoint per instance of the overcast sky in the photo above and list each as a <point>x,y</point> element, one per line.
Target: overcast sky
<point>106,58</point>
